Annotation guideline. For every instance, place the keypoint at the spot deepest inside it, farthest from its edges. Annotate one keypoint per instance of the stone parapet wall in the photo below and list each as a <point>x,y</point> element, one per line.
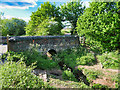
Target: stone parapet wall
<point>44,43</point>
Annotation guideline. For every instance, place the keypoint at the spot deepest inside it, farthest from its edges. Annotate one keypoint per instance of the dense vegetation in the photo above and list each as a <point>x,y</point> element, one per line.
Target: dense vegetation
<point>99,24</point>
<point>65,60</point>
<point>18,75</point>
<point>13,27</point>
<point>70,57</point>
<point>38,18</point>
<point>71,11</point>
<point>110,60</point>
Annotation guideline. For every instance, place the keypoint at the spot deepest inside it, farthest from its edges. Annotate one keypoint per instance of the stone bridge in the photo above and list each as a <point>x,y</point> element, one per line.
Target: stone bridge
<point>43,43</point>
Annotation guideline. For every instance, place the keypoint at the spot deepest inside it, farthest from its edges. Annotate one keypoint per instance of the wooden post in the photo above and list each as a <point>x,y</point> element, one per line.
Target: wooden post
<point>7,43</point>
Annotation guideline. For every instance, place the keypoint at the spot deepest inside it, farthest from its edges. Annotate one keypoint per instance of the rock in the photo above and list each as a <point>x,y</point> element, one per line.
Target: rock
<point>55,72</point>
<point>43,76</point>
<point>41,73</point>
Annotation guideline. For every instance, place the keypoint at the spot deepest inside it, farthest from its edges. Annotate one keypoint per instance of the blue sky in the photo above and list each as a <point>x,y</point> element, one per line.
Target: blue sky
<point>23,8</point>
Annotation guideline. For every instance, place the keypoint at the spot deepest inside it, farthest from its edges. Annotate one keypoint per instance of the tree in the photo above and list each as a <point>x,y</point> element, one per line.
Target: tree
<point>48,27</point>
<point>46,10</point>
<point>71,12</point>
<point>1,14</point>
<point>100,24</point>
<point>13,27</point>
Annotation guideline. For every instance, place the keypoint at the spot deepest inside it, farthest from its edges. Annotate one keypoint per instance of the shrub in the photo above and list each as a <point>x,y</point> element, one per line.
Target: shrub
<point>99,86</point>
<point>29,57</point>
<point>110,60</point>
<point>76,56</point>
<point>91,75</point>
<point>18,75</point>
<point>68,75</point>
<point>48,27</point>
<point>116,78</point>
<point>13,27</point>
<point>86,60</point>
<point>42,61</point>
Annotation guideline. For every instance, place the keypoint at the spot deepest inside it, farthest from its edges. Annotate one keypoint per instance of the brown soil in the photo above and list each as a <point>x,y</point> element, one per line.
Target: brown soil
<point>105,79</point>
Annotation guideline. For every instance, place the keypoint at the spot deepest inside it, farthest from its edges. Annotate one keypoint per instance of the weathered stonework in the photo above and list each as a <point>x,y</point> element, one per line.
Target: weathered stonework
<point>44,43</point>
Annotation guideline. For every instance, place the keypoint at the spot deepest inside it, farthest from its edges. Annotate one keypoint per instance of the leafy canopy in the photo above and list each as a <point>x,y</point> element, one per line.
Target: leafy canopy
<point>13,27</point>
<point>71,11</point>
<point>48,27</point>
<point>46,11</point>
<point>100,24</point>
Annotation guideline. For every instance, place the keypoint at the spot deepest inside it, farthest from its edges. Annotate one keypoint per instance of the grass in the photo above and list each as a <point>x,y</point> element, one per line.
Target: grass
<point>66,84</point>
<point>110,60</point>
<point>71,58</point>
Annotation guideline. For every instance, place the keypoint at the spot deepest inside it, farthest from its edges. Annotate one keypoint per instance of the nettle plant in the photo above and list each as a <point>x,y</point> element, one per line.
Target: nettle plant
<point>18,75</point>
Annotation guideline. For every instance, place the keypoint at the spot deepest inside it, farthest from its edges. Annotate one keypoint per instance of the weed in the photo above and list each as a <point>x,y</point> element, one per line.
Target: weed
<point>110,60</point>
<point>18,75</point>
<point>68,75</point>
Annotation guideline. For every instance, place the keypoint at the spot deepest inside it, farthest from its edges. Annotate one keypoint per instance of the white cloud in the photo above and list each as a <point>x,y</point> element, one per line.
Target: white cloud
<point>25,18</point>
<point>31,3</point>
<point>16,7</point>
<point>86,3</point>
<point>54,0</point>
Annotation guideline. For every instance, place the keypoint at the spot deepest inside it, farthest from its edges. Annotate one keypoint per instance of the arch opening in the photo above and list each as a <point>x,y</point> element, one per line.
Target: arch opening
<point>51,53</point>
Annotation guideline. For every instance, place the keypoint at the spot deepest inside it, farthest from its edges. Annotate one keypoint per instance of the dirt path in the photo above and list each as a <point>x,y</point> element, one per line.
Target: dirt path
<point>98,67</point>
<point>106,78</point>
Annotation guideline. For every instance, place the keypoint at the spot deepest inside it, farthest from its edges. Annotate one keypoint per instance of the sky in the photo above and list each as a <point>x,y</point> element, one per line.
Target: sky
<point>23,9</point>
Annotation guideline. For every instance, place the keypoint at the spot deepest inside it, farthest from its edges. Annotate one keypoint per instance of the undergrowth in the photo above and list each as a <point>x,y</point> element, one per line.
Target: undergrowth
<point>18,75</point>
<point>110,60</point>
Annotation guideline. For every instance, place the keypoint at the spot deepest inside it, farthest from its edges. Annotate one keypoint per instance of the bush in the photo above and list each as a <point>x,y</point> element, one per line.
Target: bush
<point>86,60</point>
<point>116,78</point>
<point>68,57</point>
<point>110,60</point>
<point>42,61</point>
<point>48,27</point>
<point>76,56</point>
<point>13,27</point>
<point>68,75</point>
<point>18,75</point>
<point>29,57</point>
<point>99,86</point>
<point>100,26</point>
<point>91,75</point>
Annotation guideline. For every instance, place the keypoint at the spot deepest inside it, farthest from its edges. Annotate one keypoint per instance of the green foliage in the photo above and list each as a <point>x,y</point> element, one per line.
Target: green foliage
<point>91,75</point>
<point>110,60</point>
<point>13,27</point>
<point>38,18</point>
<point>0,23</point>
<point>69,84</point>
<point>42,61</point>
<point>76,56</point>
<point>68,75</point>
<point>71,11</point>
<point>116,78</point>
<point>100,25</point>
<point>18,75</point>
<point>48,27</point>
<point>99,86</point>
<point>65,31</point>
<point>31,56</point>
<point>86,60</point>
